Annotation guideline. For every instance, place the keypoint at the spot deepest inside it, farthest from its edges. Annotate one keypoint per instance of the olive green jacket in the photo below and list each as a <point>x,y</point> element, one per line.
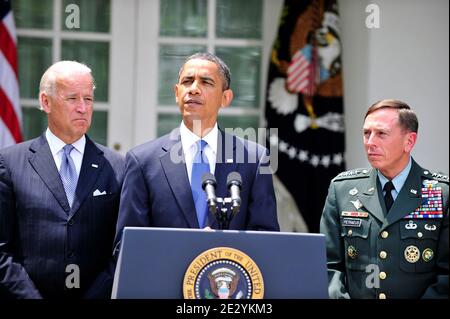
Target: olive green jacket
<point>372,254</point>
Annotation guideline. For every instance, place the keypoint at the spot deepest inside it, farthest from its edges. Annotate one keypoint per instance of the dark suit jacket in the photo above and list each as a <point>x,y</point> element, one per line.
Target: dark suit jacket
<point>40,235</point>
<point>156,190</point>
<point>371,254</point>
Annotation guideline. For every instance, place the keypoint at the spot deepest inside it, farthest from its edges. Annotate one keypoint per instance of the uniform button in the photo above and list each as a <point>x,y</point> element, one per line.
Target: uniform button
<point>382,275</point>
<point>419,234</point>
<point>350,232</point>
<point>70,254</point>
<point>383,254</point>
<point>71,222</point>
<point>382,296</point>
<point>384,234</point>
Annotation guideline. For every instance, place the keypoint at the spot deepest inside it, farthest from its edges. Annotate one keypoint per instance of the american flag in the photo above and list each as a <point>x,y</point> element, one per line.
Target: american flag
<point>10,113</point>
<point>301,72</point>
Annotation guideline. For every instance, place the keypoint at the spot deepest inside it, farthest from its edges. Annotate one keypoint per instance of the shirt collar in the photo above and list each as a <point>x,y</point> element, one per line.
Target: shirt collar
<point>398,180</point>
<point>188,138</point>
<point>56,144</point>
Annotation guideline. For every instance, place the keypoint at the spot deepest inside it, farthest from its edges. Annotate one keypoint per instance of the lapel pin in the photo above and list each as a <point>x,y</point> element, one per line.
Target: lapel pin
<point>413,191</point>
<point>353,191</point>
<point>94,165</point>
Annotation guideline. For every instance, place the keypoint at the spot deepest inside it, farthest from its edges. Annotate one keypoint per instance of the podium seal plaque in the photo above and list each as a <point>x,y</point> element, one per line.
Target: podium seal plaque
<point>223,273</point>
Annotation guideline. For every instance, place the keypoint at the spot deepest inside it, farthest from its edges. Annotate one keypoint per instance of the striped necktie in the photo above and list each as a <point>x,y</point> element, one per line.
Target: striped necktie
<point>68,174</point>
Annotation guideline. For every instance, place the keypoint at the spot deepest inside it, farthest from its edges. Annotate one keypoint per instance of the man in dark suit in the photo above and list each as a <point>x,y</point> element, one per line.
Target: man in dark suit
<point>161,186</point>
<point>59,196</point>
<point>387,227</point>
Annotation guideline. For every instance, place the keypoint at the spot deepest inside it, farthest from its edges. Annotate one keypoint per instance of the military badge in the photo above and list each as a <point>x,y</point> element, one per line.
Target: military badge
<point>352,252</point>
<point>410,225</point>
<point>223,273</point>
<point>427,254</point>
<point>431,206</point>
<point>412,254</point>
<point>357,203</point>
<point>430,227</point>
<point>429,182</point>
<point>355,214</point>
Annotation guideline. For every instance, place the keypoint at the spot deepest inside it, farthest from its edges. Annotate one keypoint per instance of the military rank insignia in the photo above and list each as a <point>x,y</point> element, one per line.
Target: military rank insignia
<point>431,206</point>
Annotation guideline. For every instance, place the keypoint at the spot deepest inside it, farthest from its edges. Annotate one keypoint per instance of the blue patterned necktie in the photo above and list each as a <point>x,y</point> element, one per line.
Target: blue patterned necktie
<point>68,173</point>
<point>200,166</point>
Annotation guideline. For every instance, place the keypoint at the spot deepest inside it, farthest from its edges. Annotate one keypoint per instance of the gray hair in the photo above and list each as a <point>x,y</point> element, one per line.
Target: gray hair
<point>59,70</point>
<point>224,70</point>
<point>407,119</point>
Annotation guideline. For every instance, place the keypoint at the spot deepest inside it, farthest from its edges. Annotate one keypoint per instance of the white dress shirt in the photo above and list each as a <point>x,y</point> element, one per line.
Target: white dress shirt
<point>188,140</point>
<point>56,147</point>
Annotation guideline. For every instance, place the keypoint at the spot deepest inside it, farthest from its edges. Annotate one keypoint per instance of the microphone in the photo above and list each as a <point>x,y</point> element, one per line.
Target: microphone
<point>209,186</point>
<point>234,184</point>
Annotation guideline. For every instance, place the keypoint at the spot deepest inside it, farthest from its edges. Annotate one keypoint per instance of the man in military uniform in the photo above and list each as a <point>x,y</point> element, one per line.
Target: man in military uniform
<point>387,227</point>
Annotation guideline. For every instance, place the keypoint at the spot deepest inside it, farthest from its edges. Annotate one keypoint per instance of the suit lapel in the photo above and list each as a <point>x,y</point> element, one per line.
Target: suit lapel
<point>409,197</point>
<point>91,166</point>
<point>178,180</point>
<point>226,163</point>
<point>43,163</point>
<point>369,196</point>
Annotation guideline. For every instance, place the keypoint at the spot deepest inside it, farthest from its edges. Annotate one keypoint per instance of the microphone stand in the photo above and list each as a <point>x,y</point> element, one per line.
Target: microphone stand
<point>221,213</point>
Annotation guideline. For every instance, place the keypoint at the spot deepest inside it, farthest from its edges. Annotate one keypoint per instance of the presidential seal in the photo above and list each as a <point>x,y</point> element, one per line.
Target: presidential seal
<point>223,273</point>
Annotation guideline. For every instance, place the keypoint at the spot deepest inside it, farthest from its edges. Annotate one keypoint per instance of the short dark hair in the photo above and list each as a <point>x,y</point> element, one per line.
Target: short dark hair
<point>407,119</point>
<point>224,70</point>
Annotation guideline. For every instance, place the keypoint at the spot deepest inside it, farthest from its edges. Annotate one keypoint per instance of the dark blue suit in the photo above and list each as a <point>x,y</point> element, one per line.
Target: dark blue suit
<point>156,190</point>
<point>40,234</point>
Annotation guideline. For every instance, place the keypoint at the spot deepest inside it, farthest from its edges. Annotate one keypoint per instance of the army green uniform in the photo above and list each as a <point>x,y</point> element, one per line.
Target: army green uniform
<point>403,254</point>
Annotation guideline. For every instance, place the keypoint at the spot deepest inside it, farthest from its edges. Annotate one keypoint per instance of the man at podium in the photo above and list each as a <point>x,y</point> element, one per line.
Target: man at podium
<point>163,186</point>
